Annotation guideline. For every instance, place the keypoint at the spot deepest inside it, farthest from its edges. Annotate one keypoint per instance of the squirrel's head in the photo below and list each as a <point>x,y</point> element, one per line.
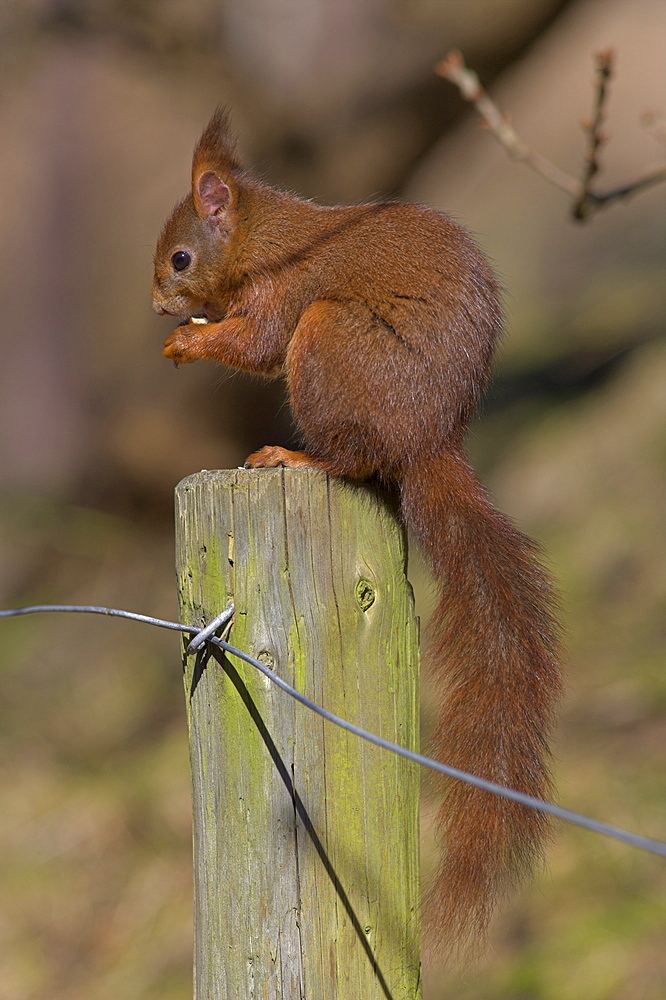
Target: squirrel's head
<point>190,274</point>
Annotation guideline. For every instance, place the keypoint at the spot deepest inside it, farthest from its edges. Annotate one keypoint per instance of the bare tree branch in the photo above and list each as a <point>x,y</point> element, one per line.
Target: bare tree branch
<point>585,200</point>
<point>604,66</point>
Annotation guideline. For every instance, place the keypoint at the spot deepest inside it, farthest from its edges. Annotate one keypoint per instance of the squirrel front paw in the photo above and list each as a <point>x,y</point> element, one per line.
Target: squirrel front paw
<point>180,346</point>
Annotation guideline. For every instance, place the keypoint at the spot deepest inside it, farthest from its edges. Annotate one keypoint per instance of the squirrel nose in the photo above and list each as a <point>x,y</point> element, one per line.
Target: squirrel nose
<point>157,304</point>
<point>158,300</point>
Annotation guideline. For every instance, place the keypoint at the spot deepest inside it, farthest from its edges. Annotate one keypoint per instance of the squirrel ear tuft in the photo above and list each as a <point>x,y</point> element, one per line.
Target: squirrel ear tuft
<point>211,194</point>
<point>216,149</point>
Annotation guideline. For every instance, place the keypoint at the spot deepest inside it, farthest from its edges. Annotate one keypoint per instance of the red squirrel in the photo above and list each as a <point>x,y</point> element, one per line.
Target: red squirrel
<point>383,320</point>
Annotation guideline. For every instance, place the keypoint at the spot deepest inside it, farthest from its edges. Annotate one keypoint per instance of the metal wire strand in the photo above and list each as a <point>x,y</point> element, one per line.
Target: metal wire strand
<point>568,815</point>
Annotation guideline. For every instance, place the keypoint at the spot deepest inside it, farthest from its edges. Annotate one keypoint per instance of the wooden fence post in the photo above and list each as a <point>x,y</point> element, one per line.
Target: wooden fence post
<point>305,837</point>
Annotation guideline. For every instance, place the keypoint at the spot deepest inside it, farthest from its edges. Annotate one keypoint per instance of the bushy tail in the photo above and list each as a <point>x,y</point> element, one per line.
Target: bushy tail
<point>495,649</point>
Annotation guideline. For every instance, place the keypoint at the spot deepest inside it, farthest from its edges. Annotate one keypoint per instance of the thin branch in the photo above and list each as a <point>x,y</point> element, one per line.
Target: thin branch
<point>585,201</point>
<point>596,138</point>
<point>453,68</point>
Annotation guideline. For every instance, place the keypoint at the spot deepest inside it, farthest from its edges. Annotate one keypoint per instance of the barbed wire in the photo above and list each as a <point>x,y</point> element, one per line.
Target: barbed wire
<point>202,635</point>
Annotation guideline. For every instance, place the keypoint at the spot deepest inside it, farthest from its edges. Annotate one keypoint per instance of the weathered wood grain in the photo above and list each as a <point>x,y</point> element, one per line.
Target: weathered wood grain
<point>305,837</point>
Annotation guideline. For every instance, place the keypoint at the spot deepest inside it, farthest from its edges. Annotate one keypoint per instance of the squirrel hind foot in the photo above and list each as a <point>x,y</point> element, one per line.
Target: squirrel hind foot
<point>272,456</point>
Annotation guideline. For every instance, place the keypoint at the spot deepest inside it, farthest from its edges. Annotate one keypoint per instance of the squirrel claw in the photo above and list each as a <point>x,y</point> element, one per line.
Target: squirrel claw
<point>180,347</point>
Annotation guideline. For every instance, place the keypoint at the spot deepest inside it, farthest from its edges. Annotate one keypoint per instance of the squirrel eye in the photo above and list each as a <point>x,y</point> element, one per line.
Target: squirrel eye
<point>181,260</point>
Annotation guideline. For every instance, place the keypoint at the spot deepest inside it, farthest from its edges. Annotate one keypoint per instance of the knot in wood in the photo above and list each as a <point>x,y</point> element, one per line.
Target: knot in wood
<point>365,594</point>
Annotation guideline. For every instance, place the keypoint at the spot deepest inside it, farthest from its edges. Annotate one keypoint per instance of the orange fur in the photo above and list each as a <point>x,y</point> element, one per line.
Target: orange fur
<point>383,319</point>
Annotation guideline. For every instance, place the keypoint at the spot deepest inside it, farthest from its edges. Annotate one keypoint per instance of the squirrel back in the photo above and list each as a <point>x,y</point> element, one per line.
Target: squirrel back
<point>383,318</point>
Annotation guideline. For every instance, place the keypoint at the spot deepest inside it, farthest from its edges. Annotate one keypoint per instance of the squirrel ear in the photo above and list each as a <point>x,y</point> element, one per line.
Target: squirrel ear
<point>215,168</point>
<point>211,195</point>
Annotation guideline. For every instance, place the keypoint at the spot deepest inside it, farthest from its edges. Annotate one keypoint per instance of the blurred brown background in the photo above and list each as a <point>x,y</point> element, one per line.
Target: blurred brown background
<point>99,108</point>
